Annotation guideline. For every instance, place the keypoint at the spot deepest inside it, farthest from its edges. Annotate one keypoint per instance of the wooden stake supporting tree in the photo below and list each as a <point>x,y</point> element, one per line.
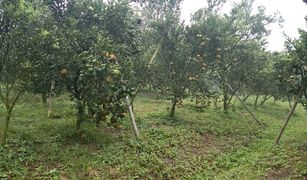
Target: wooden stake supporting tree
<point>130,112</point>
<point>132,118</point>
<point>147,67</point>
<point>50,100</point>
<point>289,115</point>
<point>129,101</point>
<point>254,117</point>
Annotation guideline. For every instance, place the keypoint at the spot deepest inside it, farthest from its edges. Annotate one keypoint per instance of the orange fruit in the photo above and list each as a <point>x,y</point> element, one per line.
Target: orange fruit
<point>107,54</point>
<point>119,126</point>
<point>109,79</point>
<point>112,57</point>
<point>64,72</point>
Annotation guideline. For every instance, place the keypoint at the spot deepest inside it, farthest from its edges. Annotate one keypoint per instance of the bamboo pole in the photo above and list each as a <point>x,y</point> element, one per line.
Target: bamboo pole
<point>130,101</point>
<point>132,118</point>
<point>146,69</point>
<point>130,112</point>
<point>252,114</point>
<point>289,116</point>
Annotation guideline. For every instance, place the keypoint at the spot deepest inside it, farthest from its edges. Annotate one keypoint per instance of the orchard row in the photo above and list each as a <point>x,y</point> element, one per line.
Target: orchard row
<point>101,52</point>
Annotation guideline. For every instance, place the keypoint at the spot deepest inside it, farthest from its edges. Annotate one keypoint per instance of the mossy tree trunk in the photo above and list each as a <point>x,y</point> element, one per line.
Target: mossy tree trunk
<point>265,98</point>
<point>173,107</point>
<point>256,101</point>
<point>76,92</point>
<point>80,114</point>
<point>44,98</point>
<point>245,97</point>
<point>6,127</point>
<point>9,105</point>
<point>225,98</point>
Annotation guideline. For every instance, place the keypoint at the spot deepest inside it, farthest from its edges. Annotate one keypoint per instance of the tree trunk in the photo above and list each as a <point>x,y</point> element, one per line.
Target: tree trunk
<point>225,103</point>
<point>6,127</point>
<point>90,109</point>
<point>245,98</point>
<point>44,98</point>
<point>289,101</point>
<point>80,115</point>
<point>256,101</point>
<point>225,93</point>
<point>265,98</point>
<point>50,103</point>
<point>173,108</point>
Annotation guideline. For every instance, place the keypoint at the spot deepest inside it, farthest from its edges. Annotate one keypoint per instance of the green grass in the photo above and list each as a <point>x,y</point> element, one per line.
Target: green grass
<point>194,145</point>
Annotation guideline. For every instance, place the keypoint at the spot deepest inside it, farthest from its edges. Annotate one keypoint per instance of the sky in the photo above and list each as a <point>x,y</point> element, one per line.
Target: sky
<point>292,11</point>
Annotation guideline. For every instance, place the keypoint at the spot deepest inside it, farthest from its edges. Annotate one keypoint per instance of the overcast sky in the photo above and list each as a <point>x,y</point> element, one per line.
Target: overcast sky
<point>292,11</point>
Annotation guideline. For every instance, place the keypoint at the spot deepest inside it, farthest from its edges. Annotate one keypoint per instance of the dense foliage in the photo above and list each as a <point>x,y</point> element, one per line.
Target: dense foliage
<point>101,53</point>
<point>90,59</point>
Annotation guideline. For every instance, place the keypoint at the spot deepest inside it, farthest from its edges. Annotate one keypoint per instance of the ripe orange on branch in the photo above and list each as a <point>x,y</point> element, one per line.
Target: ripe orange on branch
<point>119,126</point>
<point>64,72</point>
<point>107,54</point>
<point>112,57</point>
<point>109,79</point>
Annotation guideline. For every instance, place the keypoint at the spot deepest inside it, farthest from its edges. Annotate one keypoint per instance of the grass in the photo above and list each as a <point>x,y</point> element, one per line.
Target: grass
<point>194,145</point>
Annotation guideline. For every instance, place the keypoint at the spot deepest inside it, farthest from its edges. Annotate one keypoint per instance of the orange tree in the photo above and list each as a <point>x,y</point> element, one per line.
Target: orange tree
<point>295,73</point>
<point>297,50</point>
<point>47,55</point>
<point>228,43</point>
<point>95,43</point>
<point>171,69</point>
<point>18,21</point>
